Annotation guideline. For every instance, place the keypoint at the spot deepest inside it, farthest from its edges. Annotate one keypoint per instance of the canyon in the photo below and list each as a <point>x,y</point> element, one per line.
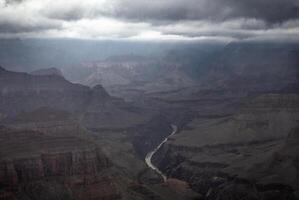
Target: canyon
<point>103,130</point>
<point>148,157</point>
<point>67,141</point>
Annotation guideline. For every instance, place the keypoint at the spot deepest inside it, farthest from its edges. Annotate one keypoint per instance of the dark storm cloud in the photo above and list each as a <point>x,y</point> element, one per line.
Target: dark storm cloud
<point>237,19</point>
<point>16,27</point>
<point>167,11</point>
<point>74,10</point>
<point>69,14</point>
<point>271,11</point>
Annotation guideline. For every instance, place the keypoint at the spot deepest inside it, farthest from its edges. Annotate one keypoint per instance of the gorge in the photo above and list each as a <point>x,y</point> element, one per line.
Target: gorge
<point>102,129</point>
<point>148,157</point>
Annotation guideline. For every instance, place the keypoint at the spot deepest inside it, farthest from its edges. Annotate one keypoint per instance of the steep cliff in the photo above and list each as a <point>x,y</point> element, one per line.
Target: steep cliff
<point>248,153</point>
<point>38,166</point>
<point>94,107</point>
<point>24,92</point>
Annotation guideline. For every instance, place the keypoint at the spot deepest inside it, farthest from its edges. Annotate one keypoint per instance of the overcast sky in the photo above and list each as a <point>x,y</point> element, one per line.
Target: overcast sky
<point>222,20</point>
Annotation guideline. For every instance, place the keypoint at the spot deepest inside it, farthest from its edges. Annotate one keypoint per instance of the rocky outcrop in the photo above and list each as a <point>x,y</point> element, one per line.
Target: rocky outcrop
<point>248,154</point>
<point>230,172</point>
<point>93,107</point>
<point>274,177</point>
<point>64,168</point>
<point>266,117</point>
<point>24,92</point>
<point>49,71</point>
<point>66,164</point>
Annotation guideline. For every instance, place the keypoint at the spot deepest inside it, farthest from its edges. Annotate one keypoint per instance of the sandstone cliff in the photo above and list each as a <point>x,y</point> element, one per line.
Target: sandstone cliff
<point>61,167</point>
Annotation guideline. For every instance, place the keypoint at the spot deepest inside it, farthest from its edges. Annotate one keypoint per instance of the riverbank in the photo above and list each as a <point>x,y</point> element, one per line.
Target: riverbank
<point>148,157</point>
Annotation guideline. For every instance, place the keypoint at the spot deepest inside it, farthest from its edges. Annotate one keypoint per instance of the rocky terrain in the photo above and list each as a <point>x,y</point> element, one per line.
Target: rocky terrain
<point>21,92</point>
<point>237,145</point>
<point>35,165</point>
<point>236,108</point>
<point>67,141</point>
<point>123,74</point>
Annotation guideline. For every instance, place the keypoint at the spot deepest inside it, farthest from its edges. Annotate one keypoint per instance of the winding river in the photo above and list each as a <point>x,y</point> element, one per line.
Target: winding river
<point>148,157</point>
